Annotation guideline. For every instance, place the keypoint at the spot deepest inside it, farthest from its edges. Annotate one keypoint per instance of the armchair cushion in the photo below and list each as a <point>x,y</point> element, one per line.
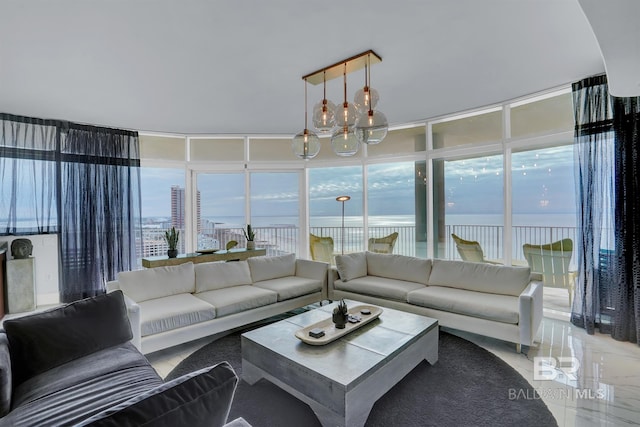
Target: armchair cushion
<point>42,341</point>
<point>201,398</point>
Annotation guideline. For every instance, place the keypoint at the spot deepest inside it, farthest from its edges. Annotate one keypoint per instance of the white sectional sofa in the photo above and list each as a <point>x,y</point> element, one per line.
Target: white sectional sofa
<point>493,300</point>
<point>172,305</point>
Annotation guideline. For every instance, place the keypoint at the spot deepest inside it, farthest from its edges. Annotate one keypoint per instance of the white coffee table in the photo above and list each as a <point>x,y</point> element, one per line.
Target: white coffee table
<point>342,380</point>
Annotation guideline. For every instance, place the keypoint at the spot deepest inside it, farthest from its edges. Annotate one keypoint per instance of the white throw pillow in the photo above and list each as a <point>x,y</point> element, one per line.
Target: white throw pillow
<point>400,267</point>
<point>480,277</point>
<point>274,267</point>
<point>351,266</point>
<point>217,275</point>
<point>158,282</point>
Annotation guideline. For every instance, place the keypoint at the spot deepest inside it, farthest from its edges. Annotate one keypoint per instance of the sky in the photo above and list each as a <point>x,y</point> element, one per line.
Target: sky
<point>542,182</point>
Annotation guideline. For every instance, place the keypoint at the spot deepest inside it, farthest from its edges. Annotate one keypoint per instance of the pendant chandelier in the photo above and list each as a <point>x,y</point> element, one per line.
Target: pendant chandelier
<point>348,124</point>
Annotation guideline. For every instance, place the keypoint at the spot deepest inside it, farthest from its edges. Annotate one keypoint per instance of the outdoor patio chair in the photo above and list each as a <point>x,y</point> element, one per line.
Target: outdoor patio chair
<point>470,250</point>
<point>321,248</point>
<point>550,264</point>
<point>383,245</point>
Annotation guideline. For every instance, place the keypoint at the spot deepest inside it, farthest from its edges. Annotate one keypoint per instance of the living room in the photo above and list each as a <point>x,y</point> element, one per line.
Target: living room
<point>480,141</point>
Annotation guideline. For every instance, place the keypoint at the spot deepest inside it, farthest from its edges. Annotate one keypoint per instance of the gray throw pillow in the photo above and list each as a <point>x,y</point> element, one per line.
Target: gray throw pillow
<point>42,341</point>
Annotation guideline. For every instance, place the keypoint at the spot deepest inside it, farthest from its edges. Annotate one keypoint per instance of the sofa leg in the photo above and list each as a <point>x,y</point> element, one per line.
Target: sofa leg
<point>518,348</point>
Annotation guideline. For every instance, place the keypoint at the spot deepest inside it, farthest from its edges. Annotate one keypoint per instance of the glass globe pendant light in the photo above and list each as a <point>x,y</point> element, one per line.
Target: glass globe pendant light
<point>343,140</point>
<point>367,97</point>
<point>324,116</point>
<point>371,126</point>
<point>306,144</point>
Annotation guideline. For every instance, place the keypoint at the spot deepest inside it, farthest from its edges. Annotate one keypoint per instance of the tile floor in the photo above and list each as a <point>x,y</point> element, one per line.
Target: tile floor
<point>602,390</point>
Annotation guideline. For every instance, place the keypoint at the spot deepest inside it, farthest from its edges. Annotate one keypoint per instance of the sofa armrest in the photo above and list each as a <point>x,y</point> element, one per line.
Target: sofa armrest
<point>530,302</point>
<point>315,270</point>
<point>331,279</point>
<point>133,313</point>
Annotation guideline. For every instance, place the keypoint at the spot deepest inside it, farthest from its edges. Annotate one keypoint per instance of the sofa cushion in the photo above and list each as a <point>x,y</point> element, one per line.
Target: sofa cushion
<point>44,340</point>
<point>218,275</point>
<point>69,393</point>
<point>173,312</point>
<point>351,266</point>
<point>266,268</point>
<point>488,278</point>
<point>399,267</point>
<point>238,298</point>
<point>6,385</point>
<point>158,282</point>
<point>200,398</point>
<point>379,286</point>
<point>499,308</point>
<point>291,287</point>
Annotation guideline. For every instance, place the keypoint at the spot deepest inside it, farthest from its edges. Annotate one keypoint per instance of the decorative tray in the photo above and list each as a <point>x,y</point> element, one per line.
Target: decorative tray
<point>331,333</point>
<point>207,251</point>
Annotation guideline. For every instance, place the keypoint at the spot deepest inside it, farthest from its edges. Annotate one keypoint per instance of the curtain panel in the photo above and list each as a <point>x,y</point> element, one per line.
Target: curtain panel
<point>606,150</point>
<point>80,181</point>
<point>27,175</point>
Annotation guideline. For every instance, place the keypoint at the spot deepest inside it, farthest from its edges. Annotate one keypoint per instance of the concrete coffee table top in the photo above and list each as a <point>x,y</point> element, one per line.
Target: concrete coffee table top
<point>342,380</point>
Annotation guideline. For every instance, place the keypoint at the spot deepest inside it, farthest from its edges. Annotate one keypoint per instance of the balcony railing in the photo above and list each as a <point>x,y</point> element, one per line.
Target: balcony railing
<point>284,239</point>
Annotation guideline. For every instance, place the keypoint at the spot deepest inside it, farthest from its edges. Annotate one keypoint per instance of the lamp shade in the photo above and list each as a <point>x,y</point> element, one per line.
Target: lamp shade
<point>346,115</point>
<point>362,98</point>
<point>344,142</point>
<point>306,145</point>
<point>371,127</point>
<point>324,116</point>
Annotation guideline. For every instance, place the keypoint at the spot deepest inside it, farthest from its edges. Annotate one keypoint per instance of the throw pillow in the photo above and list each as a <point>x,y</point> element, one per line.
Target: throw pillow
<point>158,282</point>
<point>351,266</point>
<point>274,267</point>
<point>217,275</point>
<point>42,341</point>
<point>201,398</point>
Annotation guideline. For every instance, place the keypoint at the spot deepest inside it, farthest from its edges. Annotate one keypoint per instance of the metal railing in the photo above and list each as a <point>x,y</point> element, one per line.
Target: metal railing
<point>284,239</point>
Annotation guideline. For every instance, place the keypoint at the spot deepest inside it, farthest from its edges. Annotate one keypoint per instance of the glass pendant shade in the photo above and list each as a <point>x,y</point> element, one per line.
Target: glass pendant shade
<point>324,116</point>
<point>346,116</point>
<point>344,142</point>
<point>306,145</point>
<point>372,127</point>
<point>363,96</point>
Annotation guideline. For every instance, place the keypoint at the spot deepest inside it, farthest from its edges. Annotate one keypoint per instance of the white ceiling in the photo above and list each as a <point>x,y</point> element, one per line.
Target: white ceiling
<point>223,67</point>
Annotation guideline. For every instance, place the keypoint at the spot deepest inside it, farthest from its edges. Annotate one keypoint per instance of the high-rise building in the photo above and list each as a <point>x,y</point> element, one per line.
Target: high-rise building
<point>178,208</point>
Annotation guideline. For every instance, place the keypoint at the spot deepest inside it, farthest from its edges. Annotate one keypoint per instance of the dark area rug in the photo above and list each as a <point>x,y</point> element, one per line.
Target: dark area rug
<point>468,386</point>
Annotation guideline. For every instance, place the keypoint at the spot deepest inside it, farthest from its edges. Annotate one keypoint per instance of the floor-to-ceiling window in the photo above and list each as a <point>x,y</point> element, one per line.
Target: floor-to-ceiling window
<point>275,210</point>
<point>220,206</point>
<point>469,202</point>
<point>326,213</point>
<point>394,192</point>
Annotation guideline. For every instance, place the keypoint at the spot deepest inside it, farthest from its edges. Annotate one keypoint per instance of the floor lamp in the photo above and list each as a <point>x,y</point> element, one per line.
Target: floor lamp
<point>342,199</point>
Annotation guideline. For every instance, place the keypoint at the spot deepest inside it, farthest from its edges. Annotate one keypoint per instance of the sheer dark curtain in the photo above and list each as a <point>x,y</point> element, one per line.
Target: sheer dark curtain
<point>607,187</point>
<point>99,207</point>
<point>80,181</point>
<point>27,175</point>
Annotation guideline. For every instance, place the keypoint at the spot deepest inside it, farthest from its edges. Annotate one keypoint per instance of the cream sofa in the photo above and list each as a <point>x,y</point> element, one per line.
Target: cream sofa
<point>172,305</point>
<point>492,300</point>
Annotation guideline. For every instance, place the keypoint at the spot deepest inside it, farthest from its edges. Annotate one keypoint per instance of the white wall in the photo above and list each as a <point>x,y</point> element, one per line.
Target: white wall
<point>45,252</point>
